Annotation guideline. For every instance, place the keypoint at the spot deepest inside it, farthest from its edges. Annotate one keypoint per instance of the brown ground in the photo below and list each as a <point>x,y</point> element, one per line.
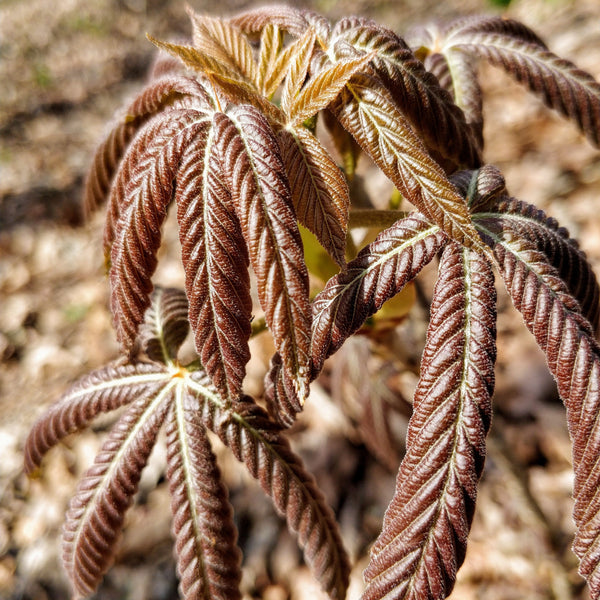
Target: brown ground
<point>65,70</point>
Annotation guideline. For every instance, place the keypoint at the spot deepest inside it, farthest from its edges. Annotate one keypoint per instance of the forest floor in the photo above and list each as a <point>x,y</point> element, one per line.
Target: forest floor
<point>65,71</point>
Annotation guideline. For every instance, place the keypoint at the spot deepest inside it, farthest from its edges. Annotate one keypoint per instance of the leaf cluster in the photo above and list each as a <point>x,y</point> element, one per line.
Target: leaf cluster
<point>227,131</point>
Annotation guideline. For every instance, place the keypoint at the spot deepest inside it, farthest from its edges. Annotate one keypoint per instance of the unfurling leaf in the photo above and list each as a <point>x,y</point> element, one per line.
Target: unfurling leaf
<point>256,176</point>
<point>425,529</point>
<point>197,60</point>
<point>379,272</point>
<point>224,44</point>
<point>165,325</point>
<point>324,87</point>
<point>297,70</point>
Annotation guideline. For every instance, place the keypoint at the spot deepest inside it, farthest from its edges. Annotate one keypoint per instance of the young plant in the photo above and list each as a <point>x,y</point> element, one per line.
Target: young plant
<point>231,141</point>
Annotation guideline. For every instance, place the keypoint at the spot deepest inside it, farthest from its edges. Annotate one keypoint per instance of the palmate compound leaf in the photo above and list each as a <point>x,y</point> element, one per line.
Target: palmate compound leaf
<point>215,261</point>
<point>379,272</point>
<point>553,315</point>
<point>138,231</point>
<point>417,93</point>
<point>258,442</point>
<point>157,96</point>
<point>256,176</point>
<point>367,111</point>
<point>564,87</point>
<point>425,528</point>
<point>561,251</point>
<point>208,558</point>
<point>96,512</point>
<point>103,390</point>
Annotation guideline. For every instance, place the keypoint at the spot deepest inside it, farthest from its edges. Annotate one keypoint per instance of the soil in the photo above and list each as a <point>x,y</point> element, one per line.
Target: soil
<point>66,68</point>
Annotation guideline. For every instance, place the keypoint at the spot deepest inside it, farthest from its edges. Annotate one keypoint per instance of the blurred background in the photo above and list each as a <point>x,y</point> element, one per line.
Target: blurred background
<point>66,68</point>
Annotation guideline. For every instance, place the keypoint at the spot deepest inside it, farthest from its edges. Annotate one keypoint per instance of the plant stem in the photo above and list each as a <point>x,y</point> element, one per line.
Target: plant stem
<point>369,217</point>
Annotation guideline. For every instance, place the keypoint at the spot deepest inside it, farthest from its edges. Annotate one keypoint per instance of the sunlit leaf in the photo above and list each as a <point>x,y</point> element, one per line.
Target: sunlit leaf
<point>297,70</point>
<point>573,356</point>
<point>366,110</point>
<point>417,94</point>
<point>96,513</point>
<point>224,43</point>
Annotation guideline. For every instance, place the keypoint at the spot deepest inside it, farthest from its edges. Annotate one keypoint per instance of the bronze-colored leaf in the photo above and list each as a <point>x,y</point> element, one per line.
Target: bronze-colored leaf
<point>561,251</point>
<point>324,87</point>
<point>149,141</point>
<point>138,231</point>
<point>208,559</point>
<point>285,60</point>
<point>285,17</point>
<point>573,356</point>
<point>457,73</point>
<point>281,398</point>
<point>103,390</point>
<point>96,513</point>
<point>216,262</point>
<point>562,85</point>
<point>240,92</point>
<point>197,60</point>
<point>319,190</point>
<point>269,73</point>
<point>416,92</point>
<point>224,43</point>
<point>369,113</point>
<point>425,529</point>
<point>152,99</point>
<point>260,190</point>
<point>379,272</point>
<point>297,69</point>
<point>256,441</point>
